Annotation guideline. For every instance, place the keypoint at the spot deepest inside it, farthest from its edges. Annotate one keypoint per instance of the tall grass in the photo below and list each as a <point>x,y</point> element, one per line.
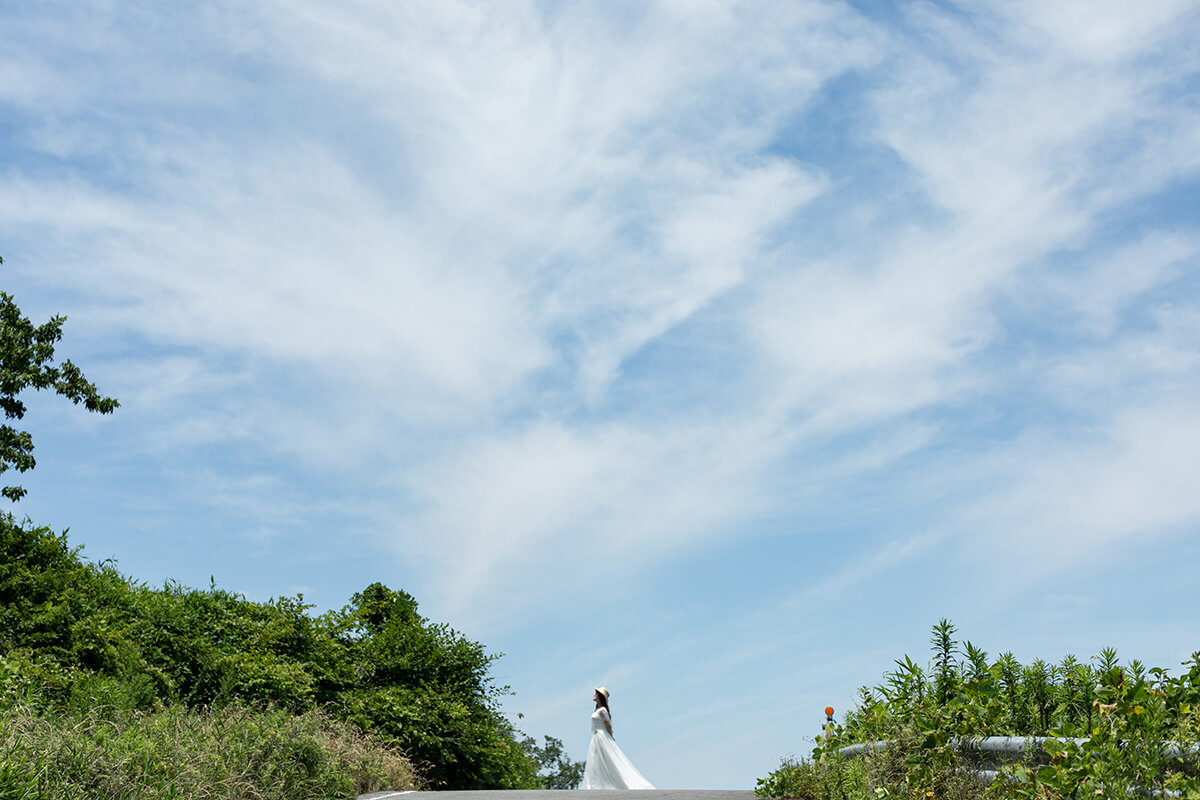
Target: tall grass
<point>175,753</point>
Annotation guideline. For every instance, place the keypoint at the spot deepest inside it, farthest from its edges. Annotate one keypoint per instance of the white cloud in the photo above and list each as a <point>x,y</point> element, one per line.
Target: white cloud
<point>509,285</point>
<point>1106,31</point>
<point>1113,282</point>
<point>863,566</point>
<point>572,141</point>
<point>552,502</point>
<point>1062,503</point>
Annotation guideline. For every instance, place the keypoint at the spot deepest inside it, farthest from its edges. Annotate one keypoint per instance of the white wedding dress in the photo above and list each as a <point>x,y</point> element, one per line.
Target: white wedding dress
<point>607,767</point>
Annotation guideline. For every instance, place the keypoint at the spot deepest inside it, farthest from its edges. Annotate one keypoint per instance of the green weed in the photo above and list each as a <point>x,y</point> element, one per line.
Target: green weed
<point>1110,730</point>
<point>229,753</point>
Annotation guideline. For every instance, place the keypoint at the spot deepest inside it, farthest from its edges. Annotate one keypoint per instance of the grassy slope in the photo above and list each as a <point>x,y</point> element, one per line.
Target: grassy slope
<point>229,753</point>
<point>109,688</point>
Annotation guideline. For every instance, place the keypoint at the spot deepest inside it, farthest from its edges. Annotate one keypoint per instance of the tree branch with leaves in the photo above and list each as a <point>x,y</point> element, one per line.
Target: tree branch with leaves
<point>27,362</point>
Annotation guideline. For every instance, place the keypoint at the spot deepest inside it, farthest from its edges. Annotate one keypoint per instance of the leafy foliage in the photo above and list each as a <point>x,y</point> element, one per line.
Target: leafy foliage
<point>76,635</point>
<point>1112,730</point>
<point>426,688</point>
<point>27,362</point>
<point>830,778</point>
<point>558,771</point>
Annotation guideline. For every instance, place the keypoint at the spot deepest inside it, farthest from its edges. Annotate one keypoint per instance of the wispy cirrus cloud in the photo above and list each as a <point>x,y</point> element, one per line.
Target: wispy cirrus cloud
<point>556,192</point>
<point>508,507</point>
<point>792,301</point>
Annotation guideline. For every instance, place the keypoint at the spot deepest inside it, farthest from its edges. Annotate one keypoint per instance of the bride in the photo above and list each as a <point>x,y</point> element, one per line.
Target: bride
<point>607,767</point>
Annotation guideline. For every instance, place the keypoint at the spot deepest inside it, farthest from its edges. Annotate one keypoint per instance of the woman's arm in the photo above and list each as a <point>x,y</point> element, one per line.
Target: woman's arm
<point>607,722</point>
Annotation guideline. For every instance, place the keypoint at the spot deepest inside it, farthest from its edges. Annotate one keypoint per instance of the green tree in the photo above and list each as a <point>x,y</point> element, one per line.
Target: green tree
<point>427,689</point>
<point>557,770</point>
<point>27,361</point>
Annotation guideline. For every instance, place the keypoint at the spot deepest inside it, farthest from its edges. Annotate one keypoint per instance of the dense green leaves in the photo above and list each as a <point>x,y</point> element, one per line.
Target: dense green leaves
<point>27,362</point>
<point>75,633</point>
<point>427,688</point>
<point>1110,729</point>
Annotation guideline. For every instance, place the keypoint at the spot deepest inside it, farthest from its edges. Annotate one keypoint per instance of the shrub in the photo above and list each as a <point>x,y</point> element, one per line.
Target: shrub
<point>75,635</point>
<point>906,768</point>
<point>824,779</point>
<point>1110,730</point>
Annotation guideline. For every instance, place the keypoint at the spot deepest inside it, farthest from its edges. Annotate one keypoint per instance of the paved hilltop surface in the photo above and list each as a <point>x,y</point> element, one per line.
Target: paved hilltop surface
<point>572,794</point>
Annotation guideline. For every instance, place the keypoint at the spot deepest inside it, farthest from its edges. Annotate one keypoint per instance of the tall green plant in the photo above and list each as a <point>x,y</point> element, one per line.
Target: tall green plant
<point>1038,679</point>
<point>1014,715</point>
<point>945,665</point>
<point>1129,716</point>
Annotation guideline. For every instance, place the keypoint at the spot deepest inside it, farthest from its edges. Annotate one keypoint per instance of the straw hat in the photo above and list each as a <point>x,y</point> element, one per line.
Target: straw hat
<point>602,691</point>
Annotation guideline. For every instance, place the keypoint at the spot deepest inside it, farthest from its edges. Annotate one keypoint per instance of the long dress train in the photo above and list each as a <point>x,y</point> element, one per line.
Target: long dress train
<point>607,767</point>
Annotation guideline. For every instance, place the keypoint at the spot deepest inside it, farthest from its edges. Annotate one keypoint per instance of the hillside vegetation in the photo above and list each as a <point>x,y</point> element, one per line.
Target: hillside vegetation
<point>104,681</point>
<point>1111,730</point>
<point>113,689</point>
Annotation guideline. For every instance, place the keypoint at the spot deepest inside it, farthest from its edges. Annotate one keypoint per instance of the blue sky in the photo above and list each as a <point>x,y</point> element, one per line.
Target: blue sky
<point>711,351</point>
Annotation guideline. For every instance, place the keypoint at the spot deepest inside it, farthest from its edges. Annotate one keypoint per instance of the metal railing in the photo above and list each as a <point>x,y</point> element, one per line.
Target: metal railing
<point>987,753</point>
<point>1018,745</point>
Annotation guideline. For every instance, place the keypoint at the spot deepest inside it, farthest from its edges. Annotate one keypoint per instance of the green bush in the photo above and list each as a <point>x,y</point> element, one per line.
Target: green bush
<point>267,677</point>
<point>1127,716</point>
<point>75,635</point>
<point>907,768</point>
<point>824,779</point>
<point>427,689</point>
